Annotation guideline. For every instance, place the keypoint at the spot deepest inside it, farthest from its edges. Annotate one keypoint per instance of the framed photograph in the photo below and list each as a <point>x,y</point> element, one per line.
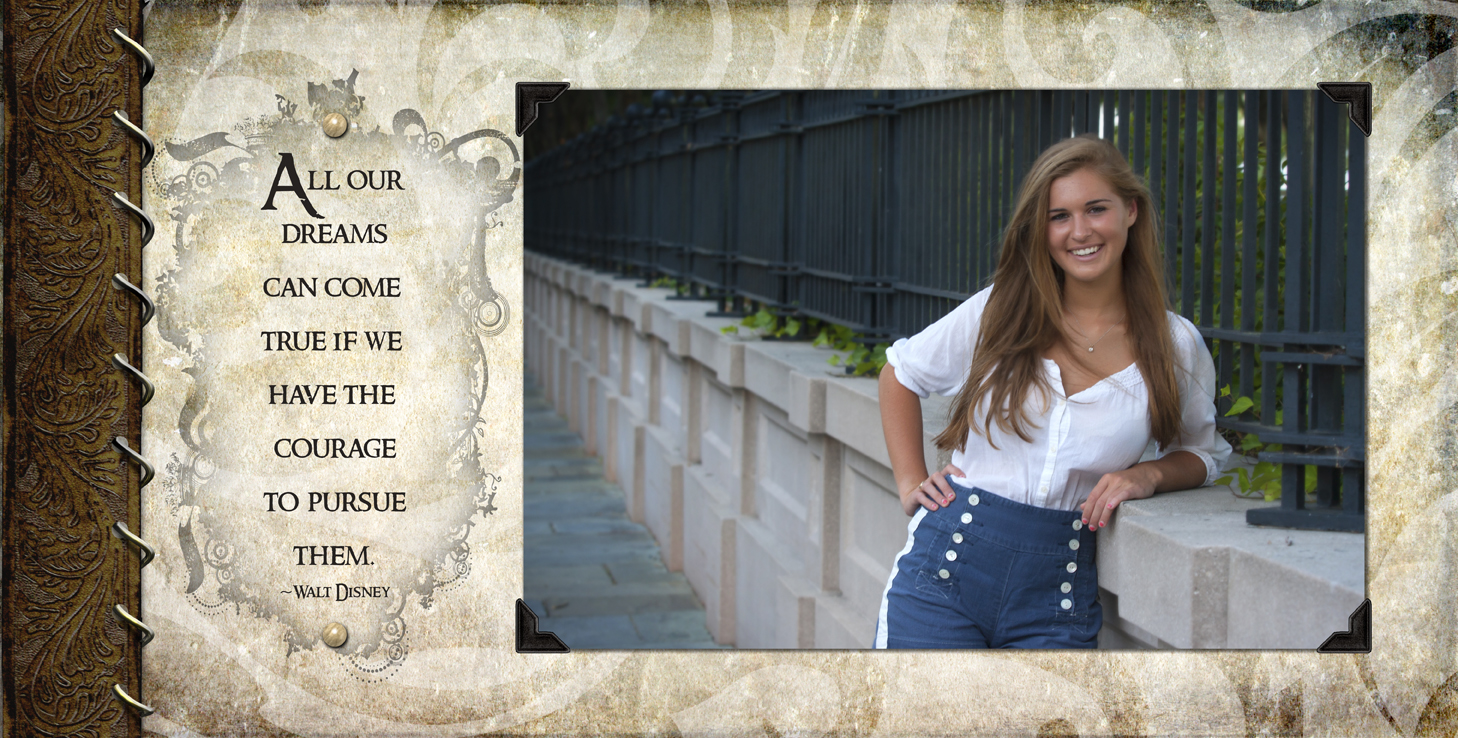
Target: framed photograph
<point>716,278</point>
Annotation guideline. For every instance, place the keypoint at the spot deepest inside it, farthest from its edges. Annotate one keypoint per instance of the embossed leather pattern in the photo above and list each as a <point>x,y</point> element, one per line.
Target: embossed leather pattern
<point>65,483</point>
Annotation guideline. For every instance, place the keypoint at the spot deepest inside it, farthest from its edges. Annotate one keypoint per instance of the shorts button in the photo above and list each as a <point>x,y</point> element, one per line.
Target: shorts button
<point>944,574</point>
<point>1073,544</point>
<point>1066,587</point>
<point>1067,604</point>
<point>966,518</point>
<point>973,499</point>
<point>1072,567</point>
<point>956,538</point>
<point>951,556</point>
<point>1078,525</point>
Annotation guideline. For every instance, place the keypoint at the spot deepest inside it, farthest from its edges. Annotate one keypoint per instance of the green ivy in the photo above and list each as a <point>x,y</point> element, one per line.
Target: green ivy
<point>1263,479</point>
<point>859,358</point>
<point>767,324</point>
<point>669,282</point>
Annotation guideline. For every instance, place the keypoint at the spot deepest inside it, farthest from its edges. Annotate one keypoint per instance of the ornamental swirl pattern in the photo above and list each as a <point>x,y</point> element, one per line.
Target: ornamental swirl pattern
<point>65,483</point>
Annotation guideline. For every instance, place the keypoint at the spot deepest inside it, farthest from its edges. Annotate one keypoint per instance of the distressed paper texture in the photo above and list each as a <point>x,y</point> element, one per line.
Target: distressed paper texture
<point>232,672</point>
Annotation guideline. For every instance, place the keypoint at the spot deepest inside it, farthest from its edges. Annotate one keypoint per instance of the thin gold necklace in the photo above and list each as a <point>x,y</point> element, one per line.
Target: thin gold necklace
<point>1079,327</point>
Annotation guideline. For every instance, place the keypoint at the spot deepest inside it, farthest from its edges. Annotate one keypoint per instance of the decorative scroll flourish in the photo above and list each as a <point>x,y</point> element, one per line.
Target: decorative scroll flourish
<point>239,164</point>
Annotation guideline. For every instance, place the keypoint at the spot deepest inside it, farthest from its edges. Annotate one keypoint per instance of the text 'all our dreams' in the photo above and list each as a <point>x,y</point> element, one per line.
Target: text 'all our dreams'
<point>325,399</point>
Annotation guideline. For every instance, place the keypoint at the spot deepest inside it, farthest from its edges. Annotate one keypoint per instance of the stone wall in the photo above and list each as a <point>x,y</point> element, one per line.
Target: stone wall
<point>762,472</point>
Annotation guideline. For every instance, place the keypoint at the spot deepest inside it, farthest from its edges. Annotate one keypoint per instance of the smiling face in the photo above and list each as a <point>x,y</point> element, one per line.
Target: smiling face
<point>1088,227</point>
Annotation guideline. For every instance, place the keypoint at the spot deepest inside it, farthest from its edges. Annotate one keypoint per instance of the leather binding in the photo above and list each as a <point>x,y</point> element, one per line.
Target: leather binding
<point>71,622</point>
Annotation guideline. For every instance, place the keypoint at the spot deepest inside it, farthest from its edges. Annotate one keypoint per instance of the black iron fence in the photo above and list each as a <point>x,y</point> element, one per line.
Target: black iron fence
<point>881,211</point>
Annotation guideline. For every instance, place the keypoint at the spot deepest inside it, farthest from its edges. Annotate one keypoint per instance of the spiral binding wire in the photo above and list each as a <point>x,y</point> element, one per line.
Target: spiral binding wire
<point>149,309</point>
<point>147,553</point>
<point>149,227</point>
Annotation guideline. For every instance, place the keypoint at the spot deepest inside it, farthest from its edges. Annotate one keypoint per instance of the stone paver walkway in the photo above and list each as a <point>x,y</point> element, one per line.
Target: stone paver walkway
<point>593,576</point>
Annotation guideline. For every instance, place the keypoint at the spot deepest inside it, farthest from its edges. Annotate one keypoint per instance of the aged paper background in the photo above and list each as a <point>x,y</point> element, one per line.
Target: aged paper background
<point>256,667</point>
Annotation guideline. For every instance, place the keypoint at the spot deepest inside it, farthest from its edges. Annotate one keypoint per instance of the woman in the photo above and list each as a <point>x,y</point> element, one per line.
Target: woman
<point>1074,346</point>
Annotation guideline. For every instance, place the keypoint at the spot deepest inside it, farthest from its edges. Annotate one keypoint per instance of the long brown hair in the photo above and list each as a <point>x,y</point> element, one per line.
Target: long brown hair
<point>1024,313</point>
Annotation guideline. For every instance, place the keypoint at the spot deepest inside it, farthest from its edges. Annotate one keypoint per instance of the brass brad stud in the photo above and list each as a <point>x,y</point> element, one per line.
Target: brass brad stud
<point>334,635</point>
<point>334,125</point>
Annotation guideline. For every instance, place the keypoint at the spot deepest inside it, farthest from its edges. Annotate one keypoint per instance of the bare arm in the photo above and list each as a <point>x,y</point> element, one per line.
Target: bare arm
<point>1181,468</point>
<point>901,422</point>
<point>1177,470</point>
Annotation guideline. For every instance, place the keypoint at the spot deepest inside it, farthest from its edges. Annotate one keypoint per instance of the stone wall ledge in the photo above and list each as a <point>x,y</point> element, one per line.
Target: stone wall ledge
<point>1226,583</point>
<point>1179,570</point>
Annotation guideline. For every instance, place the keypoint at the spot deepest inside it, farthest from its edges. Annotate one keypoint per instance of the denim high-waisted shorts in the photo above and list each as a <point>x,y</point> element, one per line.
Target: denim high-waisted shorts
<point>987,572</point>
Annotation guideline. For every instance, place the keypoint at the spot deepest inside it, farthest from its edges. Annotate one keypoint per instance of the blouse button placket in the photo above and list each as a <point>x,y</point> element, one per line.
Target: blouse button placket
<point>1057,433</point>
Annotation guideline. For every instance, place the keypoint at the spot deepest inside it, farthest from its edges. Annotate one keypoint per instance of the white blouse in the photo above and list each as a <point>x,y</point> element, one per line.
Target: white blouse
<point>1075,440</point>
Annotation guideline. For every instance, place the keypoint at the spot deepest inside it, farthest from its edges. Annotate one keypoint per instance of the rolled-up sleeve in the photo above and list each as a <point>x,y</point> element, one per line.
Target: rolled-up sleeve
<point>1195,372</point>
<point>936,360</point>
